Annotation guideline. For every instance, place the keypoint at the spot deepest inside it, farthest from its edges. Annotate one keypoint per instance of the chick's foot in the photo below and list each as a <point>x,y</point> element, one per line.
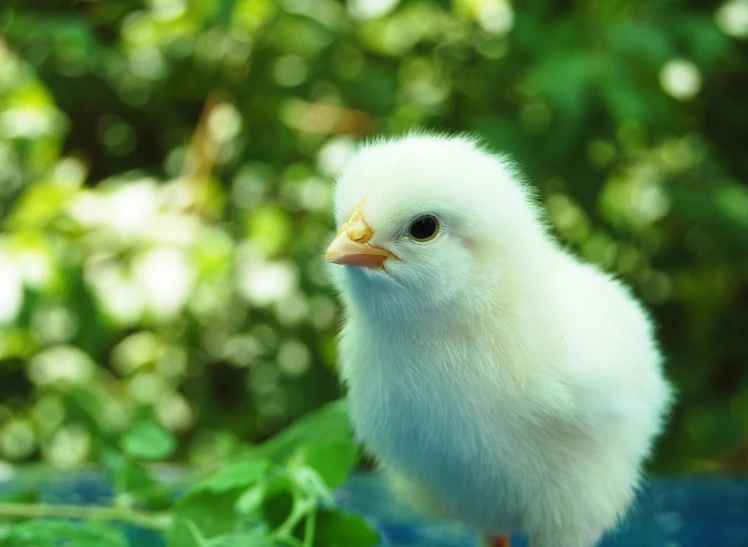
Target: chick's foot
<point>499,541</point>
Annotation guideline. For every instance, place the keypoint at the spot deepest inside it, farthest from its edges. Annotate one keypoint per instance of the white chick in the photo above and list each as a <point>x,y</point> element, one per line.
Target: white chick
<point>499,380</point>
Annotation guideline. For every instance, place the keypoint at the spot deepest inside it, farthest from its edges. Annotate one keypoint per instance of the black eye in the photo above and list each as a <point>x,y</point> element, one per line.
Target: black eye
<point>424,228</point>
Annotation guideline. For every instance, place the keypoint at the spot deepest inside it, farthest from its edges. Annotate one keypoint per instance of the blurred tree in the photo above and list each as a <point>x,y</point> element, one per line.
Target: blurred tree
<point>165,172</point>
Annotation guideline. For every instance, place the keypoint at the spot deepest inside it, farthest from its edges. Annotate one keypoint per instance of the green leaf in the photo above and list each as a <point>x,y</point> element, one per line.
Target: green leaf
<point>278,501</point>
<point>148,441</point>
<point>335,529</point>
<point>329,422</point>
<point>233,476</point>
<point>63,533</point>
<point>333,459</point>
<point>134,481</point>
<point>269,228</point>
<point>40,205</point>
<point>251,500</point>
<point>240,540</point>
<point>211,514</point>
<point>310,482</point>
<point>210,506</point>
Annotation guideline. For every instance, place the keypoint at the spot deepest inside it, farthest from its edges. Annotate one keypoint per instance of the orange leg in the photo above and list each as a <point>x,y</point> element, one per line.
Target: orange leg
<point>500,541</point>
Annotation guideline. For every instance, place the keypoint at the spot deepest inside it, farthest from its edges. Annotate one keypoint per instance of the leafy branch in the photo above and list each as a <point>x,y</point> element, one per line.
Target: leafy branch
<point>279,493</point>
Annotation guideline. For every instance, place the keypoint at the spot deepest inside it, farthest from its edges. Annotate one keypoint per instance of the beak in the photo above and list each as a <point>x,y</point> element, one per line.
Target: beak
<point>350,247</point>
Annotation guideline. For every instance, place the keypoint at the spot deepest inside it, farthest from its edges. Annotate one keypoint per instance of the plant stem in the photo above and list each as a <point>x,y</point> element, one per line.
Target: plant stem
<point>309,526</point>
<point>300,508</point>
<point>288,540</point>
<point>155,521</point>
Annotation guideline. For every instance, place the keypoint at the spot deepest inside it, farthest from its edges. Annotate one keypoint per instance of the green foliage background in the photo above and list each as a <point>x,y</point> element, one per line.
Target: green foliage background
<point>165,176</point>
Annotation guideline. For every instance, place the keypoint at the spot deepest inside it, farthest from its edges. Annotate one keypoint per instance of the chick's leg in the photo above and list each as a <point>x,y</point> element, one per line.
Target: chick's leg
<point>499,541</point>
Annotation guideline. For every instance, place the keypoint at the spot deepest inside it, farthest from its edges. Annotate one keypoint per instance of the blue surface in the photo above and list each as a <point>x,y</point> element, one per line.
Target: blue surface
<point>685,512</point>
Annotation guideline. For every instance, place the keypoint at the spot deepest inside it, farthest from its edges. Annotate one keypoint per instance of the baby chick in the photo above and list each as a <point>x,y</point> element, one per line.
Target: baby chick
<point>497,379</point>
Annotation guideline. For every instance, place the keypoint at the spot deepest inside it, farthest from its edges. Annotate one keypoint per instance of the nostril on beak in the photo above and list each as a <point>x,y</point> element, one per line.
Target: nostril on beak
<point>359,231</point>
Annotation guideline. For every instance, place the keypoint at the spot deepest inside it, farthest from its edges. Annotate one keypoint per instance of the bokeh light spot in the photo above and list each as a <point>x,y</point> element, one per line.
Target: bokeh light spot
<point>680,79</point>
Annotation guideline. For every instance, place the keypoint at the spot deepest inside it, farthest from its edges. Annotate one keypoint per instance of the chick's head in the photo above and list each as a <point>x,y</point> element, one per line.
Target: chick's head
<point>423,219</point>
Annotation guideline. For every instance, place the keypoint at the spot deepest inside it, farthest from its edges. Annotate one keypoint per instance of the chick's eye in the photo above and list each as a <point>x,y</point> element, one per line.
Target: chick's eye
<point>424,228</point>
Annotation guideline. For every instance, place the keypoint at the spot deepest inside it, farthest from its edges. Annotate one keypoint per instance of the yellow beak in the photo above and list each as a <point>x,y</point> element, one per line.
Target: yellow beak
<point>351,245</point>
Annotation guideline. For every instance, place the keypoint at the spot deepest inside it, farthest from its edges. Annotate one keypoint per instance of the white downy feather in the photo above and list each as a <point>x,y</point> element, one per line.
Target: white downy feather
<point>499,379</point>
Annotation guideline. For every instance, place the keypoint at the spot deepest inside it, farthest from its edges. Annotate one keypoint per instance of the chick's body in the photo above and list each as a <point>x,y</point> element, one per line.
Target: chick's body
<point>496,378</point>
